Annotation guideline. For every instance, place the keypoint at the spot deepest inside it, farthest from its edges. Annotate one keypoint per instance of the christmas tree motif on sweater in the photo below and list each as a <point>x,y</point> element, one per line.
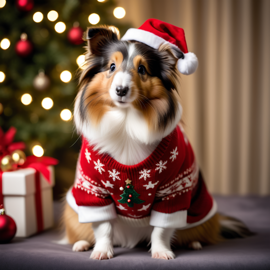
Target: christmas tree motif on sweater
<point>130,196</point>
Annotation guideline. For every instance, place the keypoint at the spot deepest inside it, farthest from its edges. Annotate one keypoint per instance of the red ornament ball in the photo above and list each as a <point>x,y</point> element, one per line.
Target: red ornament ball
<point>128,186</point>
<point>75,35</point>
<point>25,5</point>
<point>23,48</point>
<point>8,227</point>
<point>129,195</point>
<point>129,200</point>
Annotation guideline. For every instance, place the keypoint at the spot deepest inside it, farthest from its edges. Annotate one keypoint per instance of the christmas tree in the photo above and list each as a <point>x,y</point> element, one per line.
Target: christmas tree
<point>41,51</point>
<point>130,196</point>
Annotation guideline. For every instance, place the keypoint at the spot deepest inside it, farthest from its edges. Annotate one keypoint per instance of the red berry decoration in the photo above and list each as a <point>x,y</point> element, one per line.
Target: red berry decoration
<point>25,5</point>
<point>129,200</point>
<point>128,186</point>
<point>24,47</point>
<point>75,34</point>
<point>129,195</point>
<point>8,227</point>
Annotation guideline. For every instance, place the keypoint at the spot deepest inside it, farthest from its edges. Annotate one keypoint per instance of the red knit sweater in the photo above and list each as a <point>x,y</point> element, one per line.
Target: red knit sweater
<point>168,184</point>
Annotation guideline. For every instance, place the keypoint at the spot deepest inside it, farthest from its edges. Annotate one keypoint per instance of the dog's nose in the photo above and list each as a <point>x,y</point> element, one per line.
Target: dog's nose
<point>121,91</point>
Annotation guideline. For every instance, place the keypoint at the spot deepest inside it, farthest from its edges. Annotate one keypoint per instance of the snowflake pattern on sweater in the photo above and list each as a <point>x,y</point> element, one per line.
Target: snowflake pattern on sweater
<point>167,181</point>
<point>144,174</point>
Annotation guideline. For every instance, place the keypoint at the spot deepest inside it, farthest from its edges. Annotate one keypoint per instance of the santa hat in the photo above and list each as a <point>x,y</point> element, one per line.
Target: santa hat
<point>155,32</point>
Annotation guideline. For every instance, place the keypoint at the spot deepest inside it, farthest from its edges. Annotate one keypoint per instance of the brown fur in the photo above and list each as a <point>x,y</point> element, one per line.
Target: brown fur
<point>75,230</point>
<point>97,99</point>
<point>206,233</point>
<point>152,96</point>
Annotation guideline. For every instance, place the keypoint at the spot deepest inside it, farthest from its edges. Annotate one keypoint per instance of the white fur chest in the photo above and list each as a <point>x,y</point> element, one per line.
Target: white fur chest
<point>123,134</point>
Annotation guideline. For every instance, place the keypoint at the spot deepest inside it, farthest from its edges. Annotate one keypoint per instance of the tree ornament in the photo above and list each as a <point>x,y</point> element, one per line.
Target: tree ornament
<point>25,5</point>
<point>130,196</point>
<point>8,227</point>
<point>75,34</point>
<point>24,47</point>
<point>41,81</point>
<point>7,163</point>
<point>18,157</point>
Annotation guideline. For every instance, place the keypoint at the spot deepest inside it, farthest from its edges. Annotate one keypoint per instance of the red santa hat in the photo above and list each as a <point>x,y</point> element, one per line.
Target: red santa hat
<point>154,32</point>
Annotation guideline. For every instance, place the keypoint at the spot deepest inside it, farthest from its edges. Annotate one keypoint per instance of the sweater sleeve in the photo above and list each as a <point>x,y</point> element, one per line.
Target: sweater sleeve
<point>93,201</point>
<point>173,197</point>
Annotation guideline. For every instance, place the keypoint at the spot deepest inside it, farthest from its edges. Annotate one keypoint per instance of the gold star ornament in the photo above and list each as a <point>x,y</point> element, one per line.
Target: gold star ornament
<point>128,181</point>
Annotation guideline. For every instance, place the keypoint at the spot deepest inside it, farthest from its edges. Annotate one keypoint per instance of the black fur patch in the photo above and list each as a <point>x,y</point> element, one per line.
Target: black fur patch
<point>157,64</point>
<point>238,230</point>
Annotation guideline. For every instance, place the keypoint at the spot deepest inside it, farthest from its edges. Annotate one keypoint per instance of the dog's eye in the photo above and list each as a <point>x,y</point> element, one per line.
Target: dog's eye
<point>141,69</point>
<point>112,67</point>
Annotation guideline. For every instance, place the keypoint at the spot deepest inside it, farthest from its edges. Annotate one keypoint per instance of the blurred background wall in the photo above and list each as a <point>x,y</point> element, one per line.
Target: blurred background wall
<point>226,102</point>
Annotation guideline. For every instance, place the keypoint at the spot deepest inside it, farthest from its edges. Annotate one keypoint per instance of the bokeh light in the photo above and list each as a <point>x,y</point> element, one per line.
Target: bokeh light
<point>2,76</point>
<point>119,13</point>
<point>65,115</point>
<point>52,15</point>
<point>2,3</point>
<point>5,43</point>
<point>80,60</point>
<point>94,18</point>
<point>16,157</point>
<point>47,103</point>
<point>65,76</point>
<point>38,151</point>
<point>38,17</point>
<point>101,1</point>
<point>26,99</point>
<point>60,27</point>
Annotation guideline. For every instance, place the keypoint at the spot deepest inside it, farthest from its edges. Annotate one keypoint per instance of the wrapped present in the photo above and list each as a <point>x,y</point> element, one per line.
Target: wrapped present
<point>27,198</point>
<point>26,187</point>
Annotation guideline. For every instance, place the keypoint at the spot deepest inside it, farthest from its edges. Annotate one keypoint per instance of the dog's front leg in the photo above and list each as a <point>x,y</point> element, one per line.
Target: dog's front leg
<point>103,248</point>
<point>161,243</point>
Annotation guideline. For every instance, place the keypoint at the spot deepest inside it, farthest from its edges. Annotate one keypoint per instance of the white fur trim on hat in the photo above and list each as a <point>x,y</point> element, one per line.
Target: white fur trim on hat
<point>188,65</point>
<point>145,37</point>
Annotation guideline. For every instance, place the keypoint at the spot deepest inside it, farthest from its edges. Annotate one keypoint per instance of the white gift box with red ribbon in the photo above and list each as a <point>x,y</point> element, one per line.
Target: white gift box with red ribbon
<point>28,199</point>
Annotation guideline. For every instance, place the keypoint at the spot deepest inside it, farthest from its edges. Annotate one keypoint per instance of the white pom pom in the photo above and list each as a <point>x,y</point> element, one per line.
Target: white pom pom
<point>189,64</point>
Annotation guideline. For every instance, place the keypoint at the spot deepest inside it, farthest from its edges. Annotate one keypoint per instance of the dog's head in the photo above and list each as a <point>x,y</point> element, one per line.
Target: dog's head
<point>127,81</point>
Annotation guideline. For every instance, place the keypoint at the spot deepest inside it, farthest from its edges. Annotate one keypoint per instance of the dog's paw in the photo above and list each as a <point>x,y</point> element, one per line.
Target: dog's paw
<point>81,245</point>
<point>195,245</point>
<point>101,255</point>
<point>164,255</point>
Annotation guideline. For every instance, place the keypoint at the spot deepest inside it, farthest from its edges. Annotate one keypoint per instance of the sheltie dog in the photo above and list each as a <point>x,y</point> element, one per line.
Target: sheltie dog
<point>126,110</point>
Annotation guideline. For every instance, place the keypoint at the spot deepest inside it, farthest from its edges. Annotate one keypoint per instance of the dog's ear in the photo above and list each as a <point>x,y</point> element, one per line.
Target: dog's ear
<point>97,37</point>
<point>169,56</point>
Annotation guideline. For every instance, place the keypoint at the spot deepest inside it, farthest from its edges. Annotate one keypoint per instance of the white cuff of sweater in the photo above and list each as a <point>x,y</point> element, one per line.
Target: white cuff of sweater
<point>96,213</point>
<point>89,214</point>
<point>174,220</point>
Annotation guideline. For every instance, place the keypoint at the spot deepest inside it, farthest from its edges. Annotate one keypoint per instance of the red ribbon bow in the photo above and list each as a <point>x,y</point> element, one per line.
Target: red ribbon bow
<point>7,146</point>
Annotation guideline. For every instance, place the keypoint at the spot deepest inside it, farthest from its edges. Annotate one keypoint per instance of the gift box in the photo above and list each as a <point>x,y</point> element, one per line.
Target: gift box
<point>25,186</point>
<point>27,198</point>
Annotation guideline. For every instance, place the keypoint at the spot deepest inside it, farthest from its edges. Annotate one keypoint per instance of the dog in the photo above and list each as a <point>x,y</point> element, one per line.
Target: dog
<point>137,178</point>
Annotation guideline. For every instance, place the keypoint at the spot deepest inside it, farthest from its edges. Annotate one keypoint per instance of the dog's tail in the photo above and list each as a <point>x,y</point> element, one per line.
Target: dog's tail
<point>233,228</point>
